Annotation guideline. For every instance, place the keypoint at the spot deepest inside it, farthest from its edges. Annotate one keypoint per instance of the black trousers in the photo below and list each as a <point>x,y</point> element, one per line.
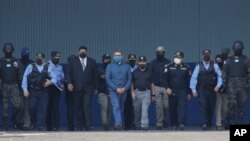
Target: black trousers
<point>207,100</point>
<point>178,107</point>
<point>69,100</point>
<point>82,106</point>
<point>128,112</point>
<point>53,112</point>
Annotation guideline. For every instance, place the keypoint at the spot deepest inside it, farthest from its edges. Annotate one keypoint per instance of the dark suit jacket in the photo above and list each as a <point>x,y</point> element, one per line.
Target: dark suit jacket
<point>79,78</point>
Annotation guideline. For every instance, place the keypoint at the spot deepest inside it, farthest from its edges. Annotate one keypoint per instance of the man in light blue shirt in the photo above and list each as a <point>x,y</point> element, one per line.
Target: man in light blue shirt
<point>36,79</point>
<point>205,83</point>
<point>53,115</point>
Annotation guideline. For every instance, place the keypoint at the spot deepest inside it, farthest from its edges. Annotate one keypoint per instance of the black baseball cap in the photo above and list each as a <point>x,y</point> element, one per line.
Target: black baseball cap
<point>179,54</point>
<point>106,56</point>
<point>131,57</point>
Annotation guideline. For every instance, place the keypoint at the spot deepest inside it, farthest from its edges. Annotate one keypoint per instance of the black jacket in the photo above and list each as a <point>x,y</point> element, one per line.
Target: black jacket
<point>79,78</point>
<point>157,68</point>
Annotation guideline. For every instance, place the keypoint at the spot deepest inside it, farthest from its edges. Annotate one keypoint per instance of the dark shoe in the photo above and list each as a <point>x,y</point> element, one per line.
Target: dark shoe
<point>70,128</point>
<point>181,127</point>
<point>49,129</point>
<point>40,129</point>
<point>26,129</point>
<point>78,129</point>
<point>137,128</point>
<point>55,129</point>
<point>174,128</point>
<point>87,128</point>
<point>159,127</point>
<point>219,128</point>
<point>118,127</point>
<point>32,127</point>
<point>204,127</point>
<point>144,128</point>
<point>105,127</point>
<point>5,129</point>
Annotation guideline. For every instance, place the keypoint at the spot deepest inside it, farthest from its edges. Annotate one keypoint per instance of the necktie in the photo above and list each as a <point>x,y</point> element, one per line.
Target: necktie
<point>83,65</point>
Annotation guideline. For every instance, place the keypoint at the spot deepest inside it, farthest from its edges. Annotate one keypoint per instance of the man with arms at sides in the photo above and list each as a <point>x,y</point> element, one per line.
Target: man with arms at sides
<point>82,78</point>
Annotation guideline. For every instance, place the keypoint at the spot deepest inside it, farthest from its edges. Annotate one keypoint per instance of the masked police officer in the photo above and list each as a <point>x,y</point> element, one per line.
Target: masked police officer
<point>177,76</point>
<point>157,67</point>
<point>10,72</point>
<point>205,83</point>
<point>25,61</point>
<point>53,113</point>
<point>103,95</point>
<point>128,107</point>
<point>141,88</point>
<point>236,77</point>
<point>36,79</point>
<point>221,97</point>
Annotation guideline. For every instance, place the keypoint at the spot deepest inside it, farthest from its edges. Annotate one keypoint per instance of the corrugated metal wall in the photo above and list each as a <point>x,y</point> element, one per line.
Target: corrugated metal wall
<point>133,26</point>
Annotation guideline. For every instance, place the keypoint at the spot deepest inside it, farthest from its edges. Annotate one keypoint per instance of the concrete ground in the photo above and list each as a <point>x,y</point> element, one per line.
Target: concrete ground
<point>116,136</point>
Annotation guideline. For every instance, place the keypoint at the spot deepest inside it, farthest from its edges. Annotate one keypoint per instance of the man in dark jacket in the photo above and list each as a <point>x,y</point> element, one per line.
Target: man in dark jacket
<point>178,76</point>
<point>25,61</point>
<point>157,67</point>
<point>82,81</point>
<point>103,93</point>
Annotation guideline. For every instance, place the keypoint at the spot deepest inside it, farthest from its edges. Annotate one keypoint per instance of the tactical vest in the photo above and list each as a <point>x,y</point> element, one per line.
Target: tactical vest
<point>9,71</point>
<point>237,67</point>
<point>36,79</point>
<point>207,78</point>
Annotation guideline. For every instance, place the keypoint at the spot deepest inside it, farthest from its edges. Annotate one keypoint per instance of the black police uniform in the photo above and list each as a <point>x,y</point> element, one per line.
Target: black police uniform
<point>177,79</point>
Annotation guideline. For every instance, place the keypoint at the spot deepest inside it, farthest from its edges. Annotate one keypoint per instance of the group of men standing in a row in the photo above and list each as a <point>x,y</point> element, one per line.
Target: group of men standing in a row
<point>34,89</point>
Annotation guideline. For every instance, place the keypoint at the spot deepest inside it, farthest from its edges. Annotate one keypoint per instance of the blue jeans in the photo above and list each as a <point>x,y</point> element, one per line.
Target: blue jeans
<point>118,101</point>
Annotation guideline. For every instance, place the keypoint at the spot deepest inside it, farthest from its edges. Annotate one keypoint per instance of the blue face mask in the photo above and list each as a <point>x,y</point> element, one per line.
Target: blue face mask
<point>117,59</point>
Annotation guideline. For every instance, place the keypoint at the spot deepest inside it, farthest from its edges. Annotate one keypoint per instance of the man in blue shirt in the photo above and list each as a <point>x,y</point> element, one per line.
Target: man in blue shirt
<point>36,79</point>
<point>205,83</point>
<point>118,77</point>
<point>53,114</point>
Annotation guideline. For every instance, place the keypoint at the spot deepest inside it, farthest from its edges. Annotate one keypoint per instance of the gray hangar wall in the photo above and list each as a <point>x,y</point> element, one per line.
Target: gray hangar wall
<point>133,26</point>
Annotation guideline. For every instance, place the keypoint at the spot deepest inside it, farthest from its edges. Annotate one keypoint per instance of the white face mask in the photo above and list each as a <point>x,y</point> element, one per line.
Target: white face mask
<point>177,61</point>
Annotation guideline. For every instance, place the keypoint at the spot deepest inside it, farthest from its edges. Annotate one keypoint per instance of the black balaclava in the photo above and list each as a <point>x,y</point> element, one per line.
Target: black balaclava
<point>220,63</point>
<point>55,57</point>
<point>160,55</point>
<point>238,48</point>
<point>8,50</point>
<point>25,54</point>
<point>106,57</point>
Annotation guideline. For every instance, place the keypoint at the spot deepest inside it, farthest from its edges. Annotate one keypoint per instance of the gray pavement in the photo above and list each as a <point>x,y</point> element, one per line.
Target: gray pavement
<point>117,136</point>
